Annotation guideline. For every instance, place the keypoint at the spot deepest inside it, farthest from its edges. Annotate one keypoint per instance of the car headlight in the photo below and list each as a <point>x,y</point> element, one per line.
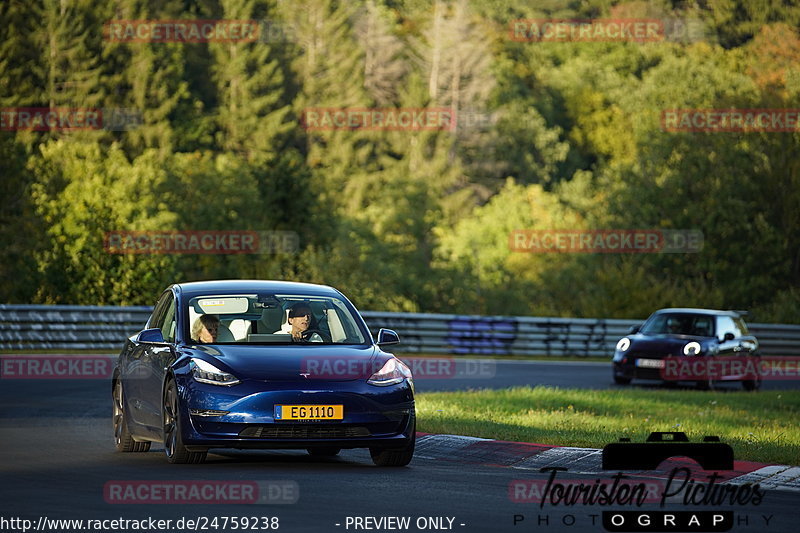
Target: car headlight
<point>692,348</point>
<point>205,372</point>
<point>392,372</point>
<point>623,344</point>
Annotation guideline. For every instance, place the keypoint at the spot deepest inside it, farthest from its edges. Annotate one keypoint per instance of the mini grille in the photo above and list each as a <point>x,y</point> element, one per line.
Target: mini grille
<point>304,431</point>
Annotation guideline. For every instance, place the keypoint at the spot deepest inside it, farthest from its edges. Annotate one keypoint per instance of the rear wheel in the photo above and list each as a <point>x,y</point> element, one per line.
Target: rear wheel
<point>619,380</point>
<point>755,383</point>
<point>752,384</point>
<point>123,439</point>
<point>173,438</point>
<point>324,452</point>
<point>706,384</point>
<point>395,457</point>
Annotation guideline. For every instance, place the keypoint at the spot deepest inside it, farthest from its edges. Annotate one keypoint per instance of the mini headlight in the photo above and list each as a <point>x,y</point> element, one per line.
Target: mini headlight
<point>692,348</point>
<point>392,372</point>
<point>623,344</point>
<point>205,372</point>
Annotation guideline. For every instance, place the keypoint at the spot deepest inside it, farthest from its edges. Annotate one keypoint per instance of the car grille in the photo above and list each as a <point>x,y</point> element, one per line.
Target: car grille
<point>647,355</point>
<point>304,431</point>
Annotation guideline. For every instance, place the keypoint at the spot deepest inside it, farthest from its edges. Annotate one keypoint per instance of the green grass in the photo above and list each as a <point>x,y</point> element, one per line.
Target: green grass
<point>760,426</point>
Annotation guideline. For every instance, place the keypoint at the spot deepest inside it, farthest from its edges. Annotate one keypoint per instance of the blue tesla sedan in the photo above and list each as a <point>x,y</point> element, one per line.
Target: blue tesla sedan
<point>261,365</point>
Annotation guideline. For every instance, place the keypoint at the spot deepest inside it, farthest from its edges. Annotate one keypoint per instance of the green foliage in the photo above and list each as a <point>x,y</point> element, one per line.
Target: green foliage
<point>570,138</point>
<point>82,192</point>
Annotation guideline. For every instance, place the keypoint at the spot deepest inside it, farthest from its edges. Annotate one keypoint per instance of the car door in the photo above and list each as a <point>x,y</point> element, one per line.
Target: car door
<point>725,326</point>
<point>156,358</point>
<point>135,368</point>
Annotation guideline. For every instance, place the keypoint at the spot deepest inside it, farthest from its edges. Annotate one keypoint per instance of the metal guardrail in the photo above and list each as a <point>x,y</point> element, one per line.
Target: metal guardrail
<point>75,327</point>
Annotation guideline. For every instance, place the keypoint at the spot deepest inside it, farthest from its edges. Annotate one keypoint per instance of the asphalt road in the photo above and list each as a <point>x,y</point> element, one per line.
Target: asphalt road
<point>57,457</point>
<point>502,373</point>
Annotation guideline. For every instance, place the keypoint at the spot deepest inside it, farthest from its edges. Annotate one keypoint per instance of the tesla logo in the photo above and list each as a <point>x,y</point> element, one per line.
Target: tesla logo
<point>305,374</point>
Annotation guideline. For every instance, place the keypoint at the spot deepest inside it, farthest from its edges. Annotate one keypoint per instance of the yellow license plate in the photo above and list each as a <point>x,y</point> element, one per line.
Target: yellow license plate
<point>309,412</point>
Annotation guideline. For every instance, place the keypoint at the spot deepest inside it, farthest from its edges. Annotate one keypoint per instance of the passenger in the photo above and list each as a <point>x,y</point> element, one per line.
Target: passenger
<point>300,324</point>
<point>676,326</point>
<point>673,326</point>
<point>205,328</point>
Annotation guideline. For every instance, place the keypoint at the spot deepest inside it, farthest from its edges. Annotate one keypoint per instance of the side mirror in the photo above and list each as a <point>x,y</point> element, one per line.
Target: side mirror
<point>150,336</point>
<point>635,329</point>
<point>387,337</point>
<point>729,336</point>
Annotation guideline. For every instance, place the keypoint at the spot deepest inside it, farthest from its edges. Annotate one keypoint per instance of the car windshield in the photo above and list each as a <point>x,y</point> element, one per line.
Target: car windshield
<point>291,319</point>
<point>680,324</point>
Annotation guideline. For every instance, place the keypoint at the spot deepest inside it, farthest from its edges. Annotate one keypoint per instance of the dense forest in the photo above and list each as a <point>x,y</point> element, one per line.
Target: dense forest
<point>553,135</point>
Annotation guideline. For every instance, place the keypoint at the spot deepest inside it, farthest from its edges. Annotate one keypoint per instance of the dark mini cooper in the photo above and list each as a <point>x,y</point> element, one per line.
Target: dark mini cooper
<point>261,364</point>
<point>706,346</point>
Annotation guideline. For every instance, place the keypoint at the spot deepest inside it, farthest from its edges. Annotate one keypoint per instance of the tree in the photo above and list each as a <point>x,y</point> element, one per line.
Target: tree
<point>384,63</point>
<point>254,115</point>
<point>149,79</point>
<point>82,192</point>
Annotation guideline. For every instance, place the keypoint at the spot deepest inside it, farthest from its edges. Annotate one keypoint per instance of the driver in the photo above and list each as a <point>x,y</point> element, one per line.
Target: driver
<point>674,325</point>
<point>300,323</point>
<point>205,328</point>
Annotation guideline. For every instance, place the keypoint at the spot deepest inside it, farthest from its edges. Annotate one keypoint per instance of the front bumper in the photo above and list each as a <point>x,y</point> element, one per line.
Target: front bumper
<point>374,417</point>
<point>630,371</point>
<point>687,368</point>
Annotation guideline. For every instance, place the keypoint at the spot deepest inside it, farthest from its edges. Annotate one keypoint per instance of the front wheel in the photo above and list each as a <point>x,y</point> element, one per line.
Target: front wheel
<point>396,457</point>
<point>707,384</point>
<point>752,384</point>
<point>619,380</point>
<point>123,440</point>
<point>173,438</point>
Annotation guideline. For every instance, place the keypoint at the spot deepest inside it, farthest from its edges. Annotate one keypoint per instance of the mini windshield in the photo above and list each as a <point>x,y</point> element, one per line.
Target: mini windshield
<point>680,324</point>
<point>291,319</point>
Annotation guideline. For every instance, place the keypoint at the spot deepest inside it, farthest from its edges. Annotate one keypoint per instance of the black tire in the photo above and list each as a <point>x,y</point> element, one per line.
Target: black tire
<point>173,440</point>
<point>396,457</point>
<point>751,384</point>
<point>707,384</point>
<point>123,439</point>
<point>324,452</point>
<point>619,380</point>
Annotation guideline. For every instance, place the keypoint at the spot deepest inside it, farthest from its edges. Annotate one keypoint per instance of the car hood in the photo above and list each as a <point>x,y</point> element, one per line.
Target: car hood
<point>288,363</point>
<point>664,344</point>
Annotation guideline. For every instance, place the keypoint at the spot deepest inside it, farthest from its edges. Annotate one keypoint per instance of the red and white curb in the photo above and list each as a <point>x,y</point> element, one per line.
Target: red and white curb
<point>533,457</point>
<point>776,477</point>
